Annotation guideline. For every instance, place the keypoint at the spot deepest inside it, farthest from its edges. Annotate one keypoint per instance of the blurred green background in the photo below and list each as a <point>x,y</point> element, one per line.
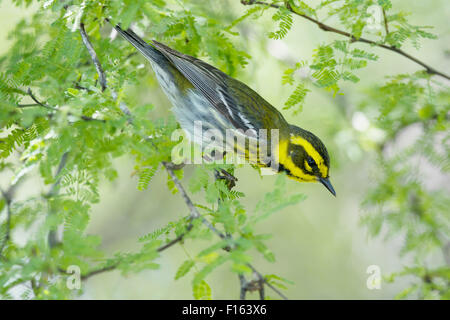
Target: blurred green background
<point>318,244</point>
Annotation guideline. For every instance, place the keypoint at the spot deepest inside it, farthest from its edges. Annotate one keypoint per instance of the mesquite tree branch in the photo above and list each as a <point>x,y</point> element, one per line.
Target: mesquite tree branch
<point>53,191</point>
<point>54,188</point>
<point>94,57</point>
<point>254,285</point>
<point>8,196</point>
<point>100,72</point>
<point>266,282</point>
<point>114,266</point>
<point>30,93</point>
<point>386,27</point>
<point>98,271</point>
<point>328,28</point>
<point>243,285</point>
<point>44,105</point>
<point>194,212</point>
<point>176,240</point>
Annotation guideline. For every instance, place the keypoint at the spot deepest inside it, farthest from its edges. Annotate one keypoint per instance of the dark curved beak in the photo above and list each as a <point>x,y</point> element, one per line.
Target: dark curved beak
<point>326,182</point>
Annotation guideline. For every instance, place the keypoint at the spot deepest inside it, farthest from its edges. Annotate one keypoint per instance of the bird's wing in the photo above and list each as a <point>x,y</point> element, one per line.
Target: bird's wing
<point>243,107</point>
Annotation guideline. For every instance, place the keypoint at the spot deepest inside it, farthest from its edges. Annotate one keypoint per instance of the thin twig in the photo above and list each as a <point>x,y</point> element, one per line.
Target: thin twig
<point>54,188</point>
<point>176,240</point>
<point>98,271</point>
<point>267,283</point>
<point>30,93</point>
<point>386,28</point>
<point>328,28</point>
<point>123,107</point>
<point>195,215</point>
<point>115,265</point>
<point>254,285</point>
<point>243,285</point>
<point>80,87</point>
<point>28,105</point>
<point>261,282</point>
<point>193,210</point>
<point>7,195</point>
<point>446,253</point>
<point>93,54</point>
<point>230,180</point>
<point>42,104</point>
<point>53,191</point>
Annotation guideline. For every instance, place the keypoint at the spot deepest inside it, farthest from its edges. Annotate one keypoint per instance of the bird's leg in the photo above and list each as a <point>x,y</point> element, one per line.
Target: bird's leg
<point>230,179</point>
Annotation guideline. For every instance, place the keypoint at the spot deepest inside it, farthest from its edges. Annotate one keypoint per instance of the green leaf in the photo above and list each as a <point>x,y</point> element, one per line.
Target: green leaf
<point>297,97</point>
<point>219,260</point>
<point>277,281</point>
<point>184,269</point>
<point>201,291</point>
<point>284,17</point>
<point>241,268</point>
<point>145,176</point>
<point>358,53</point>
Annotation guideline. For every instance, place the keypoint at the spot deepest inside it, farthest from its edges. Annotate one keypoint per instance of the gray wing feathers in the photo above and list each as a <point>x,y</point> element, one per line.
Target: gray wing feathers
<point>208,80</point>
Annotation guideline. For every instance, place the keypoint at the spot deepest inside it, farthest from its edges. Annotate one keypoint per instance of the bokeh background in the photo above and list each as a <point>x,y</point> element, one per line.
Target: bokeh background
<point>319,244</point>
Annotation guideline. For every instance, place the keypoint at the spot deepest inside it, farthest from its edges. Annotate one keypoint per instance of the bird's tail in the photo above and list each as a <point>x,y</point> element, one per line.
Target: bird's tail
<point>150,52</point>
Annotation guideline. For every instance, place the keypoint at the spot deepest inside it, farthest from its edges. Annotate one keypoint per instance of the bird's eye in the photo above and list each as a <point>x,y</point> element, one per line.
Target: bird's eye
<point>311,162</point>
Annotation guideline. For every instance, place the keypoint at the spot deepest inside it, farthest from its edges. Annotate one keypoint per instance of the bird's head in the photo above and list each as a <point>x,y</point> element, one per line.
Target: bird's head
<point>307,158</point>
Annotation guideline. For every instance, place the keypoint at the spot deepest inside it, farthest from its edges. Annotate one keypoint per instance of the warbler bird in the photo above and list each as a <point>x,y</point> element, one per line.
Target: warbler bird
<point>201,92</point>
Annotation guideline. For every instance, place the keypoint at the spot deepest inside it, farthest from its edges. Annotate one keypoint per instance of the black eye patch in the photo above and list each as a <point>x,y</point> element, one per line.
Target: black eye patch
<point>311,162</point>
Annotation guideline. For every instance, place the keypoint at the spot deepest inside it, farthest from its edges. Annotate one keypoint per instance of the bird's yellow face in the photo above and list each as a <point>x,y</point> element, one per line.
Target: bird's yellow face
<point>304,158</point>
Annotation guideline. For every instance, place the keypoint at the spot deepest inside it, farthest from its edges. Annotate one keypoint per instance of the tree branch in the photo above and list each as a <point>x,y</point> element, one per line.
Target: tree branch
<point>28,105</point>
<point>44,105</point>
<point>196,215</point>
<point>115,265</point>
<point>386,28</point>
<point>53,191</point>
<point>328,28</point>
<point>253,285</point>
<point>176,240</point>
<point>267,283</point>
<point>98,271</point>
<point>93,54</point>
<point>7,195</point>
<point>243,285</point>
<point>446,252</point>
<point>100,72</point>
<point>54,188</point>
<point>30,93</point>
